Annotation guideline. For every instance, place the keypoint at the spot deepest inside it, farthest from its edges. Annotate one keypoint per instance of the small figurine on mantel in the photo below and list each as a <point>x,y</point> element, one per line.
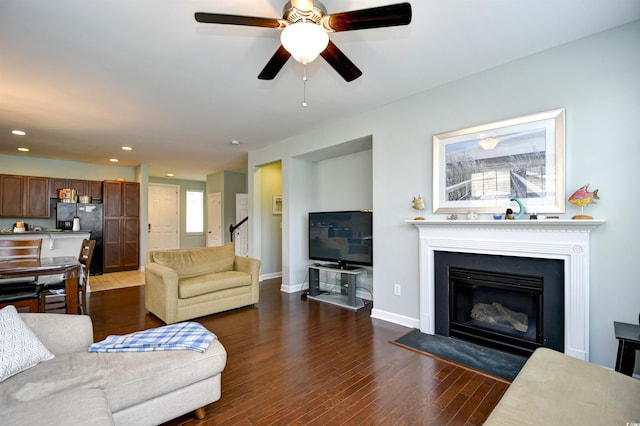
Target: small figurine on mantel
<point>583,197</point>
<point>508,215</point>
<point>418,205</point>
<point>521,212</point>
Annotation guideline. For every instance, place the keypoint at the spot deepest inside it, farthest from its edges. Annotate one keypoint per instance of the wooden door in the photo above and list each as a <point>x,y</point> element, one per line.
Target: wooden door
<point>241,237</point>
<point>214,220</point>
<point>163,216</point>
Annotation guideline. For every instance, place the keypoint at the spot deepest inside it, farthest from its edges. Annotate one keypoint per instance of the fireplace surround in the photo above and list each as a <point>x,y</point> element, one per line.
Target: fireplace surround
<point>566,240</point>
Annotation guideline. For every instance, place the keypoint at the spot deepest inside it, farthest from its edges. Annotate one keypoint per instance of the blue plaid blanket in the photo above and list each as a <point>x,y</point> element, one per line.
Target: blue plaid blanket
<point>185,335</point>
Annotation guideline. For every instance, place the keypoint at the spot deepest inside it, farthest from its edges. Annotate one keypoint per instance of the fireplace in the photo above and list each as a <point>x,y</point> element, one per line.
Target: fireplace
<point>511,303</point>
<point>564,240</point>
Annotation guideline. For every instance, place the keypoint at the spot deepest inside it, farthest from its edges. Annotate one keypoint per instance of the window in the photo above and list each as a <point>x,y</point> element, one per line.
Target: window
<point>195,211</point>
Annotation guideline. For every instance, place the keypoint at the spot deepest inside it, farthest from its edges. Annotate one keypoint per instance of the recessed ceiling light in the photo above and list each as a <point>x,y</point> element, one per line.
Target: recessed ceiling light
<point>23,149</point>
<point>18,132</point>
<point>127,148</point>
<point>170,175</point>
<point>235,142</point>
<point>113,160</point>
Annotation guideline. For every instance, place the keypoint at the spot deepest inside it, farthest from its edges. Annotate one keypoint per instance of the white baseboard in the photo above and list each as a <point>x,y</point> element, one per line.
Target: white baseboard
<point>292,288</point>
<point>395,318</point>
<point>270,276</point>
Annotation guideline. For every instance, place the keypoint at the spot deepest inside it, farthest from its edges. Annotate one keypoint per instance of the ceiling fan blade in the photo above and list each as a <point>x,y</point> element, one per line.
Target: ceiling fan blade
<point>275,64</point>
<point>340,62</point>
<point>219,18</point>
<point>375,17</point>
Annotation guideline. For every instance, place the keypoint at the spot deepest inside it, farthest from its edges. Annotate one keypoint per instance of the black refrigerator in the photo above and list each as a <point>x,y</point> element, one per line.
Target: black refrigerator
<point>91,219</point>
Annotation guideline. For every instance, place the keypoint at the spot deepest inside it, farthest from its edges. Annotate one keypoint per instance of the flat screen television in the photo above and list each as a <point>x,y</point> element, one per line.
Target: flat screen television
<point>344,237</point>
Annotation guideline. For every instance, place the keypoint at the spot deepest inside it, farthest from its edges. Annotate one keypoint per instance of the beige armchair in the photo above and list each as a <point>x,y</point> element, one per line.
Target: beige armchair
<point>188,283</point>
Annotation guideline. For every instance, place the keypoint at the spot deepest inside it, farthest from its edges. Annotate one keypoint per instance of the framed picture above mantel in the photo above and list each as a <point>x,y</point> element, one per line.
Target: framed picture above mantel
<point>482,168</point>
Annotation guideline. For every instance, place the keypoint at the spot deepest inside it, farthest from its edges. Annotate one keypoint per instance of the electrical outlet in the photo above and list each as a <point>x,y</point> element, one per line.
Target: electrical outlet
<point>396,289</point>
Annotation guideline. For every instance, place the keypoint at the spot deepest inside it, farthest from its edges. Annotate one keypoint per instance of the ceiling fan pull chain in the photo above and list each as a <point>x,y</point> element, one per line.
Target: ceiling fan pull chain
<point>304,86</point>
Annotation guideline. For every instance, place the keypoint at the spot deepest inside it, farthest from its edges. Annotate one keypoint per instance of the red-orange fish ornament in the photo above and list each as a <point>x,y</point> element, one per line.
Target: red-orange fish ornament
<point>581,198</point>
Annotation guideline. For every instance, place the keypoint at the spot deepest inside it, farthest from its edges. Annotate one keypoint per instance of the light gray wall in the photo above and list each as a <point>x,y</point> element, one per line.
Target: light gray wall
<point>271,224</point>
<point>31,166</point>
<point>345,182</point>
<point>298,195</point>
<point>596,79</point>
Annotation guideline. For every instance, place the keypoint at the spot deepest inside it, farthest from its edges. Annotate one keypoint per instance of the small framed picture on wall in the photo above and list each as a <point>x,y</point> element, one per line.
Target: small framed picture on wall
<point>277,204</point>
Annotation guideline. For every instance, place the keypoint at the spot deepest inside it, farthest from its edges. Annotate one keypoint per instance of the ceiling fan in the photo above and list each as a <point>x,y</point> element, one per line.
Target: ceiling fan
<point>306,24</point>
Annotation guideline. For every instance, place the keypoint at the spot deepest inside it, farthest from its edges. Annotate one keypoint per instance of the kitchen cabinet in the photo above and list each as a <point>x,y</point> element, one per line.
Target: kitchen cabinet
<point>121,244</point>
<point>55,184</point>
<point>36,196</point>
<point>24,196</point>
<point>12,196</point>
<point>112,198</point>
<point>95,189</point>
<point>92,188</point>
<point>79,185</point>
<point>121,232</point>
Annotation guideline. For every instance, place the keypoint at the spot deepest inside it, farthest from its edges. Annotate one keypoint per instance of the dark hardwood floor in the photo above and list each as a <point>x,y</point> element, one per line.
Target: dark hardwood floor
<point>293,361</point>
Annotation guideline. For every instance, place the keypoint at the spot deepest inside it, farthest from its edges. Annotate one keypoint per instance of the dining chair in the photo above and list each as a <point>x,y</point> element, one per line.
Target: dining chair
<point>57,288</point>
<point>20,292</point>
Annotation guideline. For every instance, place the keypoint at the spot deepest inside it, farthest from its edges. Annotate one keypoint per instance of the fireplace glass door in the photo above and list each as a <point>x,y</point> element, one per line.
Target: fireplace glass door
<point>503,310</point>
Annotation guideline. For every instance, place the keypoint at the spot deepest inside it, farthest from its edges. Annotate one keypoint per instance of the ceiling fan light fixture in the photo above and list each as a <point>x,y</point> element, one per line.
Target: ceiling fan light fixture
<point>304,40</point>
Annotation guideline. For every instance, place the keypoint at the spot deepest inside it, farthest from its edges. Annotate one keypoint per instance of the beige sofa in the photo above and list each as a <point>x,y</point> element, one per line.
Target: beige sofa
<point>81,388</point>
<point>189,283</point>
<point>556,389</point>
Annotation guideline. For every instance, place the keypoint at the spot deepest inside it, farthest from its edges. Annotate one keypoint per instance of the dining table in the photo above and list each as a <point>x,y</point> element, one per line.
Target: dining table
<point>67,266</point>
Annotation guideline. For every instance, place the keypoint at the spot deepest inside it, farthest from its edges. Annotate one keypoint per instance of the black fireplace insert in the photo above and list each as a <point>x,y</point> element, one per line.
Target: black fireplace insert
<point>510,303</point>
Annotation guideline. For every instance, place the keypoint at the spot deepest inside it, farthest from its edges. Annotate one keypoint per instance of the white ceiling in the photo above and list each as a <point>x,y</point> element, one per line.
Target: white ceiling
<point>84,78</point>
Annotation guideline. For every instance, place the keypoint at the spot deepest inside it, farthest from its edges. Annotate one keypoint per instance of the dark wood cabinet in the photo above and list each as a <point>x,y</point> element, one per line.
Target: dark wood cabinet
<point>24,196</point>
<point>121,232</point>
<point>131,199</point>
<point>56,184</point>
<point>130,243</point>
<point>79,185</point>
<point>112,244</point>
<point>36,196</point>
<point>112,198</point>
<point>95,189</point>
<point>92,188</point>
<point>12,196</point>
<point>28,196</point>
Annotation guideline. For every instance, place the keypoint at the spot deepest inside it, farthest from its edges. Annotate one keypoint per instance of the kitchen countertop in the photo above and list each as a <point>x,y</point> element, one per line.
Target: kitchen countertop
<point>4,232</point>
<point>54,243</point>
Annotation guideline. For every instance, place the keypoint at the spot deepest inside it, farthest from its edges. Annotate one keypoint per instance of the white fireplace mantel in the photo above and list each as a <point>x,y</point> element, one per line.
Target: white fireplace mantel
<point>567,240</point>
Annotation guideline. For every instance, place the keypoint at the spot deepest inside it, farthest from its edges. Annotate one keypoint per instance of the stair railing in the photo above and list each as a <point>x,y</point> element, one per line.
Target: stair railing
<point>232,227</point>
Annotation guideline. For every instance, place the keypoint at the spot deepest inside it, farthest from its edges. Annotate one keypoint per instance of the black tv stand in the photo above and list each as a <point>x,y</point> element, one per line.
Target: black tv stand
<point>340,265</point>
<point>348,279</point>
